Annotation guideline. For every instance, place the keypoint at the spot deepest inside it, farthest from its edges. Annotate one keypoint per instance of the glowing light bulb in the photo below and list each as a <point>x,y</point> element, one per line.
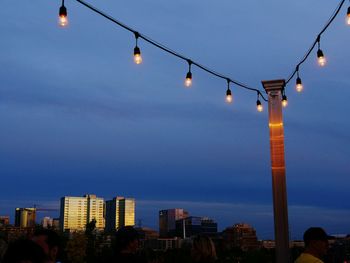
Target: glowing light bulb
<point>62,17</point>
<point>284,101</point>
<point>229,97</point>
<point>299,85</point>
<point>321,58</point>
<point>259,106</point>
<point>188,80</point>
<point>348,17</point>
<point>137,55</point>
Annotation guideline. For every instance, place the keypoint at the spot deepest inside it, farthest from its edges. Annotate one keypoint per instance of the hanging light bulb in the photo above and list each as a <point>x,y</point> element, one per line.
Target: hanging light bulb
<point>137,55</point>
<point>259,106</point>
<point>299,85</point>
<point>284,100</point>
<point>137,52</point>
<point>62,16</point>
<point>320,57</point>
<point>347,19</point>
<point>188,80</point>
<point>229,97</point>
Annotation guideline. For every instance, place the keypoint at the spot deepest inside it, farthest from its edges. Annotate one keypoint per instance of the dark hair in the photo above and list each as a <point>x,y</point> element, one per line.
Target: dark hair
<point>124,237</point>
<point>315,233</point>
<point>53,239</point>
<point>24,249</point>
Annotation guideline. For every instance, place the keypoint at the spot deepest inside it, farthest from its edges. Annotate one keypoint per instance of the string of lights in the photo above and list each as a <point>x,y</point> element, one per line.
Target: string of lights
<point>320,55</point>
<point>63,21</point>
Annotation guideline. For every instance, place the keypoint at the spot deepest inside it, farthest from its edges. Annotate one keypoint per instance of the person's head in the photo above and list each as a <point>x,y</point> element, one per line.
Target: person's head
<point>127,240</point>
<point>316,241</point>
<point>49,241</point>
<point>203,249</point>
<point>24,251</point>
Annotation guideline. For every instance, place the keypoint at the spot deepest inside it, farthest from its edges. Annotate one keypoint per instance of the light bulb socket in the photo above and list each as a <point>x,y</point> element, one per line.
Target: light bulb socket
<point>189,75</point>
<point>63,11</point>
<point>137,51</point>
<point>298,81</point>
<point>258,103</point>
<point>284,98</point>
<point>320,53</point>
<point>348,13</point>
<point>228,92</point>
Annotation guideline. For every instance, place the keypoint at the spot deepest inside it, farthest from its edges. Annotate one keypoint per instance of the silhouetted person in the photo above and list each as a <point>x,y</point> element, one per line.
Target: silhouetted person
<point>49,241</point>
<point>126,246</point>
<point>24,251</point>
<point>203,250</point>
<point>316,246</point>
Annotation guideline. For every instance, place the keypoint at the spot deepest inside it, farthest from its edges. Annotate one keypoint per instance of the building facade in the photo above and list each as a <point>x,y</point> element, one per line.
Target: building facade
<point>242,236</point>
<point>76,212</point>
<point>25,217</point>
<point>47,222</point>
<point>4,220</point>
<point>120,212</point>
<point>195,225</point>
<point>167,221</point>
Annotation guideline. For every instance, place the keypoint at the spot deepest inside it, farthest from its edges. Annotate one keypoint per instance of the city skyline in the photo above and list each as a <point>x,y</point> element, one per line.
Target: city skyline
<point>79,116</point>
<point>148,212</point>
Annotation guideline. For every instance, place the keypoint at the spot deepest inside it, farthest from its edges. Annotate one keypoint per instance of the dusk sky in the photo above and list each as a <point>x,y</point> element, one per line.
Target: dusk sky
<point>78,116</point>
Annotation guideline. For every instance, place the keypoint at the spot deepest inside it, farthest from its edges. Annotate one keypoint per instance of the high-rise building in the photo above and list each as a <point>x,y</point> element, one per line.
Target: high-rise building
<point>120,212</point>
<point>25,217</point>
<point>167,221</point>
<point>76,212</point>
<point>95,211</point>
<point>242,236</point>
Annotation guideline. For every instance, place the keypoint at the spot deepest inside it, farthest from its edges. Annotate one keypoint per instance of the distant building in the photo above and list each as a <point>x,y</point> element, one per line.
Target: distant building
<point>120,212</point>
<point>4,220</point>
<point>194,225</point>
<point>76,212</point>
<point>242,236</point>
<point>56,223</point>
<point>25,217</point>
<point>167,221</point>
<point>47,222</point>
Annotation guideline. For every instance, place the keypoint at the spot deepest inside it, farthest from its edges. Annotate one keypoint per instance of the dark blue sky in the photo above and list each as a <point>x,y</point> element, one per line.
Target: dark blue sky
<point>78,116</point>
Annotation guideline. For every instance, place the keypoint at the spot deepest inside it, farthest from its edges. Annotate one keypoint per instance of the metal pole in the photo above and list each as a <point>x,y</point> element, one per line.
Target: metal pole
<point>274,90</point>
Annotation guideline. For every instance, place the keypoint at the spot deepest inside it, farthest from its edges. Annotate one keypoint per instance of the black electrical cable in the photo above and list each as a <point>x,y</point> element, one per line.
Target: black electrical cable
<point>329,22</point>
<point>168,50</point>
